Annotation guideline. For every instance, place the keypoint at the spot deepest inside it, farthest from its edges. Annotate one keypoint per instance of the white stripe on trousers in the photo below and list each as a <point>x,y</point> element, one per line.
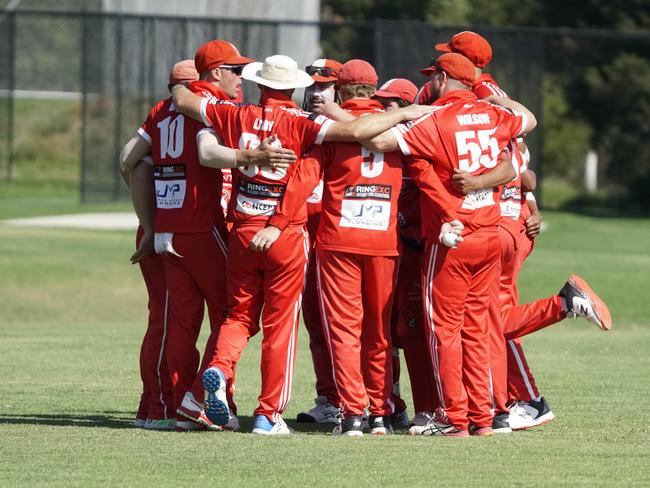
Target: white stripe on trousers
<point>326,324</point>
<point>285,393</point>
<point>220,242</point>
<point>522,370</point>
<point>160,354</point>
<point>427,290</point>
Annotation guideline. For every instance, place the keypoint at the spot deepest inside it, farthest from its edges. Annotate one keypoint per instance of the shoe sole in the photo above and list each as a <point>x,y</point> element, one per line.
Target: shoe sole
<point>600,309</point>
<point>538,422</point>
<point>215,409</point>
<point>264,432</point>
<point>502,430</point>
<point>482,432</point>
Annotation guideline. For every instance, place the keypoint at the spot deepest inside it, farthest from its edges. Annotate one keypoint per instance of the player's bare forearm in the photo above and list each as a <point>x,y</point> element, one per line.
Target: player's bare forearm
<point>501,174</point>
<point>528,181</point>
<point>134,151</point>
<point>363,128</point>
<point>143,195</point>
<point>384,142</point>
<point>531,121</point>
<point>187,102</point>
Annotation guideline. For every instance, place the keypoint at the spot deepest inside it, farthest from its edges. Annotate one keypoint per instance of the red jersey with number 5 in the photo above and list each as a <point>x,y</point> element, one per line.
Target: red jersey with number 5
<point>467,134</point>
<point>360,193</point>
<point>256,191</point>
<point>187,193</point>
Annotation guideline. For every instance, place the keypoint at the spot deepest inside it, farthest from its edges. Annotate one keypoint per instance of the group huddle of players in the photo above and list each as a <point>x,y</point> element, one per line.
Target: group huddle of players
<point>395,218</point>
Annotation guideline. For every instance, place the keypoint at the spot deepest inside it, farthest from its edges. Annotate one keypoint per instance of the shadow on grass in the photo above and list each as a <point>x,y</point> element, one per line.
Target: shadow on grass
<point>108,419</point>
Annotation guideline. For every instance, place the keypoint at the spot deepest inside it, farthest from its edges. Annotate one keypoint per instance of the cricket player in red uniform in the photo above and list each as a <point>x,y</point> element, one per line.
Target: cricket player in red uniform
<point>357,248</point>
<point>407,322</point>
<point>266,285</point>
<point>518,227</point>
<point>326,410</point>
<point>470,135</point>
<point>190,234</point>
<point>156,410</point>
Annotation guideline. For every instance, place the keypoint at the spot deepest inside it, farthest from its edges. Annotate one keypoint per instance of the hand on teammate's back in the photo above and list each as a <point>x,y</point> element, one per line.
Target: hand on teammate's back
<point>264,239</point>
<point>465,182</point>
<point>144,248</point>
<point>414,112</point>
<point>271,153</point>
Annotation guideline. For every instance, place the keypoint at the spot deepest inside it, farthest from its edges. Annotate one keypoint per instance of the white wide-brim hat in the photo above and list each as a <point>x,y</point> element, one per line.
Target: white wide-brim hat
<point>278,72</point>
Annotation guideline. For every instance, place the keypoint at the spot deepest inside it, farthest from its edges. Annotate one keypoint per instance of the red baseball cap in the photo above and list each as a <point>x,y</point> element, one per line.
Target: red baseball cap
<point>324,70</point>
<point>183,72</point>
<point>398,88</point>
<point>215,53</point>
<point>471,45</point>
<point>455,65</point>
<point>424,95</point>
<point>356,72</point>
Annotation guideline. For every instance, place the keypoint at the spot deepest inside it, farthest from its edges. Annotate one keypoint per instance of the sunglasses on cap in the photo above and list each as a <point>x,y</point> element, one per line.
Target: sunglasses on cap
<point>235,70</point>
<point>318,70</point>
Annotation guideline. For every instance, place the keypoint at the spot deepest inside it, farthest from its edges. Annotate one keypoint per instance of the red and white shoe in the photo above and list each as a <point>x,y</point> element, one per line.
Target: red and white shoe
<point>193,410</point>
<point>581,300</point>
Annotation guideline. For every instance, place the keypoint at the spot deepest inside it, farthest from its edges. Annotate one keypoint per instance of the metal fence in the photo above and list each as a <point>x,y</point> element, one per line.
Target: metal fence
<point>118,65</point>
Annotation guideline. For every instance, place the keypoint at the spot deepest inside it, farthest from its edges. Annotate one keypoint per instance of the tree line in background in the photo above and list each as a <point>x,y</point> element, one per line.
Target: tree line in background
<point>595,88</point>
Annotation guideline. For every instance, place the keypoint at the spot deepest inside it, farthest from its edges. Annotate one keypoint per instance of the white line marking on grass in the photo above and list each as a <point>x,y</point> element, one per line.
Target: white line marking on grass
<point>95,221</point>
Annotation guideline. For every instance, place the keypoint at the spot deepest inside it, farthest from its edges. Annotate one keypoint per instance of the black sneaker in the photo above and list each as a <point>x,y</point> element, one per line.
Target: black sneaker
<point>500,424</point>
<point>582,301</point>
<point>380,425</point>
<point>351,426</point>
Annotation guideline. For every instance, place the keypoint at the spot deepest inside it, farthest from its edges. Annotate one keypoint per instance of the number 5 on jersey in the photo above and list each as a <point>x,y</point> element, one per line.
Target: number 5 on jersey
<point>476,148</point>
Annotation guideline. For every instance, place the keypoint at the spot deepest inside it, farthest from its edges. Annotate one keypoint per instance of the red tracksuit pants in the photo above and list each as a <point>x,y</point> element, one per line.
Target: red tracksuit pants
<point>268,286</point>
<point>356,302</point>
<point>196,277</point>
<point>520,320</point>
<point>320,356</point>
<point>408,333</point>
<point>156,399</point>
<point>457,287</point>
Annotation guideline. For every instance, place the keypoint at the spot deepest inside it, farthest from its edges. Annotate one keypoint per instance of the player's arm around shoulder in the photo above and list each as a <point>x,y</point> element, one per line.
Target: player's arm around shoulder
<point>134,151</point>
<point>187,102</point>
<point>529,122</point>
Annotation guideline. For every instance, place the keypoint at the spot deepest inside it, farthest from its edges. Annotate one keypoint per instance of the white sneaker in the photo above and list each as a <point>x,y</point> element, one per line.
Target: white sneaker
<point>187,426</point>
<point>160,424</point>
<point>525,415</point>
<point>233,423</point>
<point>323,413</point>
<point>419,423</point>
<point>264,426</point>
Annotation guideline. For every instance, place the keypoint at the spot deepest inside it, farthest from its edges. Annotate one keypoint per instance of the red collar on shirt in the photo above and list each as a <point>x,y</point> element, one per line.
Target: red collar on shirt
<point>202,86</point>
<point>276,99</point>
<point>456,96</point>
<point>358,106</point>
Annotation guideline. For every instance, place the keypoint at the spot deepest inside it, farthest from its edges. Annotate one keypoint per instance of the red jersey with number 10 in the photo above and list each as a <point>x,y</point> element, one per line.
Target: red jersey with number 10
<point>187,193</point>
<point>360,193</point>
<point>467,134</point>
<point>256,191</point>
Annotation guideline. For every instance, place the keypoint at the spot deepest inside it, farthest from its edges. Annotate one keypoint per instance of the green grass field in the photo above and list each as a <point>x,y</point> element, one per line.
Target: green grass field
<point>73,312</point>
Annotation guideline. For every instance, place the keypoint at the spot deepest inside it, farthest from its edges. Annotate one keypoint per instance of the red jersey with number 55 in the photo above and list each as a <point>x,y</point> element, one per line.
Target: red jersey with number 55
<point>360,193</point>
<point>256,191</point>
<point>187,193</point>
<point>467,134</point>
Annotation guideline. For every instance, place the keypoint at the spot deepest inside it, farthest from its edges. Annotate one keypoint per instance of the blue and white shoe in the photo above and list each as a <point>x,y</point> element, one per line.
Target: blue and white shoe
<point>264,426</point>
<point>215,405</point>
